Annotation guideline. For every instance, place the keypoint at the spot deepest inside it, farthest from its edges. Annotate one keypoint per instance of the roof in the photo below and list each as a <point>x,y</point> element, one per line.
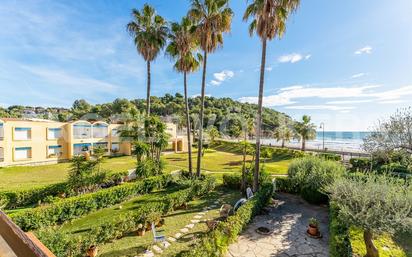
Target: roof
<point>27,120</point>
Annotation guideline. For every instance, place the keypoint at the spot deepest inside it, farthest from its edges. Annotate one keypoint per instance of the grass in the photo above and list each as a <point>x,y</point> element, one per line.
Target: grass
<point>131,245</point>
<point>214,162</point>
<point>399,246</point>
<point>26,177</point>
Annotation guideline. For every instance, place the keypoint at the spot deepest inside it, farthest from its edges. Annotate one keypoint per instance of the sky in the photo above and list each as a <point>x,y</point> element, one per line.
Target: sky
<point>344,63</point>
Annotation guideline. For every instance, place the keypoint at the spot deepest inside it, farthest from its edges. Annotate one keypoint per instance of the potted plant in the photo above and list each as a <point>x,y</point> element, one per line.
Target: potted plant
<point>140,230</point>
<point>92,251</point>
<point>160,223</point>
<point>313,229</point>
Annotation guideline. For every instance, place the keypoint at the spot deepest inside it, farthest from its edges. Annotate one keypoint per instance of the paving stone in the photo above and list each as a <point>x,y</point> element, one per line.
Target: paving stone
<point>177,235</point>
<point>148,253</point>
<point>157,249</point>
<point>165,244</point>
<point>184,230</point>
<point>190,226</point>
<point>195,221</point>
<point>198,216</point>
<point>171,239</point>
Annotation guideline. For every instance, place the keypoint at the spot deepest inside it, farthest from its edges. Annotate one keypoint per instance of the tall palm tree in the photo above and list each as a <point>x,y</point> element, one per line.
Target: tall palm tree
<point>306,130</point>
<point>212,19</point>
<point>283,133</point>
<point>269,21</point>
<point>182,48</point>
<point>149,32</point>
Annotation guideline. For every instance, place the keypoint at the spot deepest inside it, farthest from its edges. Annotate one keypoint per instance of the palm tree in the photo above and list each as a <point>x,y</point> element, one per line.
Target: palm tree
<point>149,32</point>
<point>269,22</point>
<point>305,130</point>
<point>212,19</point>
<point>284,132</point>
<point>182,48</point>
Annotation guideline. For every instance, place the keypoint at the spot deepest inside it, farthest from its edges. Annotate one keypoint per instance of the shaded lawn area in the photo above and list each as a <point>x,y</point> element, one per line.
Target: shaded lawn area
<point>225,162</point>
<point>26,177</point>
<point>398,246</point>
<point>132,245</point>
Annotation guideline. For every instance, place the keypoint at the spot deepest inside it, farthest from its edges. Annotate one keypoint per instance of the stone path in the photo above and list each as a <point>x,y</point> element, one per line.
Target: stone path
<point>288,223</point>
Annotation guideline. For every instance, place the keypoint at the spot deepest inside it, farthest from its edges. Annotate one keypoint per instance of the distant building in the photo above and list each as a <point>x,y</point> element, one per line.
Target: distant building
<point>36,141</point>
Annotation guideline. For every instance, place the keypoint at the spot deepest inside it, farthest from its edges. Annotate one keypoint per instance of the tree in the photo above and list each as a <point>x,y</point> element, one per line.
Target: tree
<point>213,133</point>
<point>305,130</point>
<point>283,133</point>
<point>212,19</point>
<point>80,108</point>
<point>149,32</point>
<point>394,134</point>
<point>182,48</point>
<point>375,203</point>
<point>269,22</point>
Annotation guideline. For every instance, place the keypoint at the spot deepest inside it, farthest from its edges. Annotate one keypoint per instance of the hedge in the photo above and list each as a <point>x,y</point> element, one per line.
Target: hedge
<point>330,156</point>
<point>284,184</point>
<point>216,242</point>
<point>360,164</point>
<point>67,244</point>
<point>23,198</point>
<point>74,207</point>
<point>339,239</point>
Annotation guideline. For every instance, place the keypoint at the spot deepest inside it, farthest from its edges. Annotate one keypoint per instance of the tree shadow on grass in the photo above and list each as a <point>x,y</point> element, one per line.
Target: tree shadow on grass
<point>132,251</point>
<point>404,241</point>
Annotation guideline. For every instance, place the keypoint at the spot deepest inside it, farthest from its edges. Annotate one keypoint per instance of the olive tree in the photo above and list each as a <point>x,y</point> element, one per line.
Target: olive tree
<point>375,203</point>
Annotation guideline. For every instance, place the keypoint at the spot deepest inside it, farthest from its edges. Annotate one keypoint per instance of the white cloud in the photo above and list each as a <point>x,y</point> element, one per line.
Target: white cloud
<point>293,58</point>
<point>355,94</point>
<point>359,75</point>
<point>364,50</point>
<point>222,76</point>
<point>269,68</point>
<point>392,102</point>
<point>321,107</point>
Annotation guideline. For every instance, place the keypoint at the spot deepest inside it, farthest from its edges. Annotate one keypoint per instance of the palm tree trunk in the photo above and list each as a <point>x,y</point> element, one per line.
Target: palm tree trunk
<point>259,117</point>
<point>202,106</point>
<point>283,143</point>
<point>243,185</point>
<point>189,143</point>
<point>148,90</point>
<point>303,144</point>
<point>371,250</point>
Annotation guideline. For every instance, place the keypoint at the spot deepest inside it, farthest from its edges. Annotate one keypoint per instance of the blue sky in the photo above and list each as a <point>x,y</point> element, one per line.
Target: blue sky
<point>345,63</point>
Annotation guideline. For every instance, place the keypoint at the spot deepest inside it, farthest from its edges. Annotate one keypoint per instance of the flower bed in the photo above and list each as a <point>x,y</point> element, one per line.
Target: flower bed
<point>216,242</point>
<point>65,244</point>
<point>70,208</point>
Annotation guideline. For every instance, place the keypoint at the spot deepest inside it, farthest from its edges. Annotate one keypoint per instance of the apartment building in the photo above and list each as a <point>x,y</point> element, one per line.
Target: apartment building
<point>37,141</point>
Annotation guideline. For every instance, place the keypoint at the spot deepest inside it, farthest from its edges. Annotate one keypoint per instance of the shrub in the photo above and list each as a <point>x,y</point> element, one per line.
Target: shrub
<point>148,168</point>
<point>308,175</point>
<point>330,156</point>
<point>70,208</point>
<point>232,181</point>
<point>215,243</point>
<point>360,164</point>
<point>66,244</point>
<point>339,239</point>
<point>284,184</point>
<point>375,203</point>
<point>394,167</point>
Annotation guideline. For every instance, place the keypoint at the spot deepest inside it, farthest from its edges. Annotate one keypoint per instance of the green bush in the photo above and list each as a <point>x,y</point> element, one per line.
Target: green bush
<point>74,207</point>
<point>310,174</point>
<point>216,242</point>
<point>232,181</point>
<point>284,184</point>
<point>360,164</point>
<point>64,244</point>
<point>394,167</point>
<point>339,239</point>
<point>330,156</point>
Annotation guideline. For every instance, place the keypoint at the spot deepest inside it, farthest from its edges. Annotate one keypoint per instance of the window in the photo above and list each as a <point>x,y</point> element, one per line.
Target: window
<point>54,151</point>
<point>115,148</point>
<point>1,131</point>
<point>82,130</point>
<point>54,133</point>
<point>22,153</point>
<point>22,133</point>
<point>79,149</point>
<point>115,132</point>
<point>100,145</point>
<point>100,130</point>
<point>1,154</point>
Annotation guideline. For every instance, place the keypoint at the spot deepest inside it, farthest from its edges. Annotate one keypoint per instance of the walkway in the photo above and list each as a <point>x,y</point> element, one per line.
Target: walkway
<point>288,221</point>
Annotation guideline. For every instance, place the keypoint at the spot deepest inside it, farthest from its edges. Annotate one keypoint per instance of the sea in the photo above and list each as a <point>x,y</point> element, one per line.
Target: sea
<point>343,141</point>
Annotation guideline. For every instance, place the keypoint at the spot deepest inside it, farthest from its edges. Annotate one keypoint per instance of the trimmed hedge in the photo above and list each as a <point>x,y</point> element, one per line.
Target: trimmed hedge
<point>330,156</point>
<point>360,164</point>
<point>284,184</point>
<point>74,207</point>
<point>339,239</point>
<point>67,244</point>
<point>216,242</point>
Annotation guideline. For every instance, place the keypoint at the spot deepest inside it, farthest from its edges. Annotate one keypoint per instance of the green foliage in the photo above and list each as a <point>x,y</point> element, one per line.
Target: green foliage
<point>71,208</point>
<point>339,241</point>
<point>148,168</point>
<point>234,181</point>
<point>286,185</point>
<point>377,203</point>
<point>311,174</point>
<point>216,242</point>
<point>64,244</point>
<point>360,164</point>
<point>330,156</point>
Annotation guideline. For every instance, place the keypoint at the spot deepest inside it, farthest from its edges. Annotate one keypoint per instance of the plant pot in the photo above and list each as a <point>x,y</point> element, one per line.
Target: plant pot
<point>148,227</point>
<point>160,223</point>
<point>313,230</point>
<point>141,232</point>
<point>92,251</point>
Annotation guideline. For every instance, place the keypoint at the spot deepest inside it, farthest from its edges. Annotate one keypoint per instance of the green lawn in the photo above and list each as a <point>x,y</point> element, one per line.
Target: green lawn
<point>26,177</point>
<point>132,245</point>
<point>215,162</point>
<point>400,246</point>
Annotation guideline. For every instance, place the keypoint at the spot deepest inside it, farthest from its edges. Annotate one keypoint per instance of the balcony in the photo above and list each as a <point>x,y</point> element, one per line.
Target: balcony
<point>1,132</point>
<point>22,134</point>
<point>82,130</point>
<point>1,154</point>
<point>100,130</point>
<point>79,149</point>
